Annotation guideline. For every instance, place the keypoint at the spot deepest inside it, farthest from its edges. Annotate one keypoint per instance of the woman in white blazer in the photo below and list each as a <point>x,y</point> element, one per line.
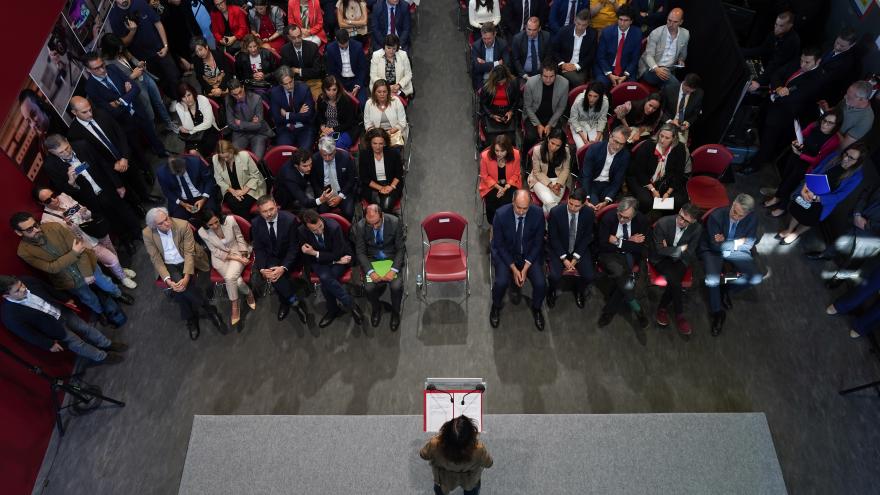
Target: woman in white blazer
<point>230,253</point>
<point>238,178</point>
<point>392,64</point>
<point>198,130</point>
<point>386,111</point>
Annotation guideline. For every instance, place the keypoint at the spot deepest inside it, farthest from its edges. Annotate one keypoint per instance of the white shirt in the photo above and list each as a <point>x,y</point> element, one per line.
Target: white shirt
<point>346,62</point>
<point>678,233</point>
<point>330,178</point>
<point>189,185</point>
<point>619,233</point>
<point>380,170</point>
<point>36,302</point>
<point>667,58</point>
<point>256,63</point>
<point>85,173</point>
<point>169,250</point>
<point>605,174</point>
<point>576,52</point>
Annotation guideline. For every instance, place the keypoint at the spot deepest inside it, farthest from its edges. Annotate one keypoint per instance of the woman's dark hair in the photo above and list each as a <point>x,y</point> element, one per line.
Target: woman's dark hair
<point>636,115</point>
<point>502,140</point>
<point>207,214</point>
<point>498,74</point>
<point>862,148</point>
<point>599,89</point>
<point>182,88</point>
<point>35,194</point>
<point>489,4</point>
<point>111,46</point>
<point>391,40</point>
<point>377,132</point>
<point>458,439</point>
<point>555,133</point>
<point>198,41</point>
<point>837,112</point>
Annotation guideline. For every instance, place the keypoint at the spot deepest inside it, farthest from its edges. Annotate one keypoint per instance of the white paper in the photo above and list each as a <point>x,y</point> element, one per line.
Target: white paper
<point>472,408</point>
<point>664,204</point>
<point>438,409</point>
<point>798,134</point>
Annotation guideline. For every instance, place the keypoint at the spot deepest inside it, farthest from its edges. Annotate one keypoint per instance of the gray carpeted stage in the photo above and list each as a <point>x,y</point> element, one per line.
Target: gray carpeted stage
<point>541,454</point>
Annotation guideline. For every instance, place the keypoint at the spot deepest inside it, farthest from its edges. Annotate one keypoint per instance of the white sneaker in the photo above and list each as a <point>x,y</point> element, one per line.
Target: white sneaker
<point>129,272</point>
<point>129,283</point>
<point>853,334</point>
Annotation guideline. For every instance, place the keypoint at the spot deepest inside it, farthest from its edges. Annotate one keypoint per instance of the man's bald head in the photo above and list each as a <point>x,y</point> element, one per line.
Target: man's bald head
<point>522,198</point>
<point>81,108</point>
<point>673,20</point>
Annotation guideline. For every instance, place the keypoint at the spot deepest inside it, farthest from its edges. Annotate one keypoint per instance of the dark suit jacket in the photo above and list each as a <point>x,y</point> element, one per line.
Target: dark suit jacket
<point>293,187</point>
<point>31,325</point>
<point>669,103</point>
<point>393,245</point>
<point>312,64</point>
<point>301,95</point>
<point>559,10</point>
<point>101,96</point>
<point>99,169</point>
<point>253,107</point>
<point>202,178</point>
<point>594,161</point>
<point>478,50</point>
<point>557,224</point>
<point>379,24</point>
<point>359,64</point>
<point>335,244</point>
<point>803,91</point>
<point>346,116</point>
<point>644,163</point>
<point>868,206</point>
<point>719,223</point>
<point>774,53</point>
<point>112,130</point>
<point>608,227</point>
<point>837,74</point>
<point>607,52</point>
<point>563,47</point>
<point>664,230</point>
<point>286,249</point>
<point>512,15</point>
<point>244,71</point>
<point>504,241</point>
<point>367,167</point>
<point>519,47</point>
<point>345,172</point>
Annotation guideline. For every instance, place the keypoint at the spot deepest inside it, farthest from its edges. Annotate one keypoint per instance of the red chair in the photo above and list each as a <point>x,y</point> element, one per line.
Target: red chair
<point>627,91</point>
<point>656,279</point>
<point>638,146</point>
<point>277,156</point>
<point>572,95</point>
<point>711,159</point>
<point>216,277</point>
<point>215,108</point>
<point>230,58</point>
<point>581,153</point>
<point>345,225</point>
<point>709,163</point>
<point>445,236</point>
<point>707,192</point>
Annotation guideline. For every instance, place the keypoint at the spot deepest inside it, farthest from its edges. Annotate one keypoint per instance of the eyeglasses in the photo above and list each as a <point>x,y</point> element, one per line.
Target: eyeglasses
<point>624,218</point>
<point>29,230</point>
<point>100,67</point>
<point>619,143</point>
<point>50,198</point>
<point>685,220</point>
<point>829,121</point>
<point>850,157</point>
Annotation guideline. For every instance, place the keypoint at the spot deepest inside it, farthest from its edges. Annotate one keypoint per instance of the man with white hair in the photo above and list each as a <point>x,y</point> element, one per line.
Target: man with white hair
<point>334,169</point>
<point>177,259</point>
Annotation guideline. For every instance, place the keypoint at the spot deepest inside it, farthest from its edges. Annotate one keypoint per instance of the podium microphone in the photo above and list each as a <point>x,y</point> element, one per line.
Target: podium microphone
<point>432,387</point>
<point>479,388</point>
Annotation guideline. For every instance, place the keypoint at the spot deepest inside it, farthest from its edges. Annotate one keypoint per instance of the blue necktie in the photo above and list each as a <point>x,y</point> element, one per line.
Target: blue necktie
<point>104,139</point>
<point>533,50</point>
<point>732,233</point>
<point>380,241</point>
<point>320,238</point>
<point>519,233</point>
<point>187,194</point>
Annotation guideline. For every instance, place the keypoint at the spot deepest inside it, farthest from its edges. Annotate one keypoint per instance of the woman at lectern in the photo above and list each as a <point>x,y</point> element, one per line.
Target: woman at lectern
<point>457,457</point>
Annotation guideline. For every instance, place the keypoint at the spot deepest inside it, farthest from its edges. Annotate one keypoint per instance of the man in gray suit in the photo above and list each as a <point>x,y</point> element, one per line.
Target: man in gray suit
<point>379,237</point>
<point>672,251</point>
<point>244,115</point>
<point>667,47</point>
<point>544,103</point>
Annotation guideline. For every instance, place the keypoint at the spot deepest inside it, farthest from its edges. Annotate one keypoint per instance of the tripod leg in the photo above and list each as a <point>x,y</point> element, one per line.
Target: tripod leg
<point>53,390</point>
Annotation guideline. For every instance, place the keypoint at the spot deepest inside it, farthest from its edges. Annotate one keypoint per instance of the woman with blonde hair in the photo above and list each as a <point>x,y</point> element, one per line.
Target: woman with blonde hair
<point>238,178</point>
<point>384,110</point>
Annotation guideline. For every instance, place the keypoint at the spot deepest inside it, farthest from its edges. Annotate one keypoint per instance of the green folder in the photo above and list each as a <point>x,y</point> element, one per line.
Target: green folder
<point>382,267</point>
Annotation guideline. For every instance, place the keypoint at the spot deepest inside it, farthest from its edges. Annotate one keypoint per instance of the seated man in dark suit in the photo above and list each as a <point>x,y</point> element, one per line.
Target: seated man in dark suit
<point>528,49</point>
<point>379,237</point>
<point>571,232</point>
<point>110,90</point>
<point>486,53</point>
<point>517,254</point>
<point>575,49</point>
<point>333,168</point>
<point>564,12</point>
<point>516,13</point>
<point>244,116</point>
<point>302,57</point>
<point>622,243</point>
<point>297,187</point>
<point>38,314</point>
<point>391,17</point>
<point>673,251</point>
<point>728,236</point>
<point>188,186</point>
<point>604,169</point>
<point>276,253</point>
<point>328,254</point>
<point>615,63</point>
<point>682,104</point>
<point>293,110</point>
<point>345,60</point>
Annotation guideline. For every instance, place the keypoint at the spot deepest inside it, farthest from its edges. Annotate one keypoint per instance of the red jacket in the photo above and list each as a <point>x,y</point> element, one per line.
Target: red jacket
<point>316,18</point>
<point>830,146</point>
<point>237,22</point>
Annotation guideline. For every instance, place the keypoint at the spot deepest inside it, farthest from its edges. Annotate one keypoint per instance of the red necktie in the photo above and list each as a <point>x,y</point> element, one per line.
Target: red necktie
<point>392,21</point>
<point>618,69</point>
<point>791,77</point>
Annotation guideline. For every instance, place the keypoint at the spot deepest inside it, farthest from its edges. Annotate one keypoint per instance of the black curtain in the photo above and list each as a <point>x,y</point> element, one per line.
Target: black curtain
<point>713,53</point>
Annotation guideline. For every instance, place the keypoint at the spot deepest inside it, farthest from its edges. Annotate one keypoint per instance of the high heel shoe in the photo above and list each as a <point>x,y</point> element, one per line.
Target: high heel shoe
<point>236,313</point>
<point>251,302</point>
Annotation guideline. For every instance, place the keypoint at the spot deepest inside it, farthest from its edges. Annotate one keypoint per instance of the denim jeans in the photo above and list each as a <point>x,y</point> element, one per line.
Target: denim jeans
<point>83,339</point>
<point>742,262</point>
<point>87,296</point>
<point>159,110</point>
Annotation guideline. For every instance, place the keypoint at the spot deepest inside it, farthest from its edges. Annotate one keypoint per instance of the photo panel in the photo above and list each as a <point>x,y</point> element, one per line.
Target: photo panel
<point>31,118</point>
<point>59,66</point>
<point>87,18</point>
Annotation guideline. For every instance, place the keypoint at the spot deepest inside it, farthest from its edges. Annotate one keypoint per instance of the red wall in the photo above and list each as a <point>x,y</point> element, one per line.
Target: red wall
<point>26,415</point>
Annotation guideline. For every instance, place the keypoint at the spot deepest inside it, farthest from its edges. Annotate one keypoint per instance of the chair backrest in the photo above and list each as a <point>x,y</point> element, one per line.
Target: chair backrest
<point>706,215</point>
<point>605,209</point>
<point>581,153</point>
<point>244,226</point>
<point>200,157</point>
<point>343,222</point>
<point>711,159</point>
<point>637,146</point>
<point>574,94</point>
<point>278,156</point>
<point>444,225</point>
<point>628,91</point>
<point>253,156</point>
<point>215,108</point>
<point>229,58</point>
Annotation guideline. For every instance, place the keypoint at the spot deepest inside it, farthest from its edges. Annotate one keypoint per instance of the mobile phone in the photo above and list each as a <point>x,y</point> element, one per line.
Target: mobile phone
<point>80,168</point>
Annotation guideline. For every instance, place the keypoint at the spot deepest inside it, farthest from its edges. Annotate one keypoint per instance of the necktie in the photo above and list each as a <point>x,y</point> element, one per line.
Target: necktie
<point>391,21</point>
<point>380,242</point>
<point>681,105</point>
<point>618,69</point>
<point>625,231</point>
<point>519,233</point>
<point>731,234</point>
<point>109,84</point>
<point>184,188</point>
<point>299,56</point>
<point>320,238</point>
<point>796,73</point>
<point>571,8</point>
<point>572,231</point>
<point>103,137</point>
<point>290,100</point>
<point>526,10</point>
<point>533,51</point>
<point>272,237</point>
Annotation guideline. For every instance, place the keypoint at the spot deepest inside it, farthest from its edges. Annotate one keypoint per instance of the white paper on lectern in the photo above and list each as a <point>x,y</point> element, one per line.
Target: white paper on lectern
<point>438,410</point>
<point>472,408</point>
<point>664,204</point>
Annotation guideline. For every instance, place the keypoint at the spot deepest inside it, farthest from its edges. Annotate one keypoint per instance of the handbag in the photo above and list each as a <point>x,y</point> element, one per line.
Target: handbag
<point>192,137</point>
<point>97,228</point>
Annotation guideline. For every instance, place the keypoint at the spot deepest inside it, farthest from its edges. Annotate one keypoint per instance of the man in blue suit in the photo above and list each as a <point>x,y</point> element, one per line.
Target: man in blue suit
<point>617,59</point>
<point>563,12</point>
<point>729,236</point>
<point>293,111</point>
<point>381,25</point>
<point>571,231</point>
<point>604,169</point>
<point>335,169</point>
<point>517,254</point>
<point>188,185</point>
<point>528,49</point>
<point>486,53</point>
<point>345,60</point>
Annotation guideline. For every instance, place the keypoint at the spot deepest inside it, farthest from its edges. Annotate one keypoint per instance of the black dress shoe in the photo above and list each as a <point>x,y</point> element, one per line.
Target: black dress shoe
<point>539,319</point>
<point>328,318</point>
<point>605,319</point>
<point>726,301</point>
<point>551,299</point>
<point>395,321</point>
<point>192,326</point>
<point>125,298</point>
<point>376,316</point>
<point>301,311</point>
<point>494,316</point>
<point>216,319</point>
<point>580,299</point>
<point>356,314</point>
<point>116,347</point>
<point>718,322</point>
<point>834,283</point>
<point>642,319</point>
<point>283,311</point>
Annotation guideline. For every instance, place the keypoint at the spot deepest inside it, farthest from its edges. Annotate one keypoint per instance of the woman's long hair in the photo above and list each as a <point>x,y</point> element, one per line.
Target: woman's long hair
<point>555,133</point>
<point>499,74</point>
<point>859,146</point>
<point>458,439</point>
<point>489,4</point>
<point>599,89</point>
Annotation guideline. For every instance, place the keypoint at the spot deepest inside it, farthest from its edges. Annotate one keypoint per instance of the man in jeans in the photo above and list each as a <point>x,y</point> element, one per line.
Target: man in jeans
<point>38,314</point>
<point>53,249</point>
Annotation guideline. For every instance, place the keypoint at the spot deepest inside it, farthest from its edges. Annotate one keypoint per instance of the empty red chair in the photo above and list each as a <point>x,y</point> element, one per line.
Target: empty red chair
<point>711,159</point>
<point>707,192</point>
<point>278,156</point>
<point>444,253</point>
<point>627,91</point>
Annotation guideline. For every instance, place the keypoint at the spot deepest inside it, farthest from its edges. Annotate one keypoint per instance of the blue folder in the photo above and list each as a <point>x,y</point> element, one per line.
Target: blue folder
<point>818,183</point>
